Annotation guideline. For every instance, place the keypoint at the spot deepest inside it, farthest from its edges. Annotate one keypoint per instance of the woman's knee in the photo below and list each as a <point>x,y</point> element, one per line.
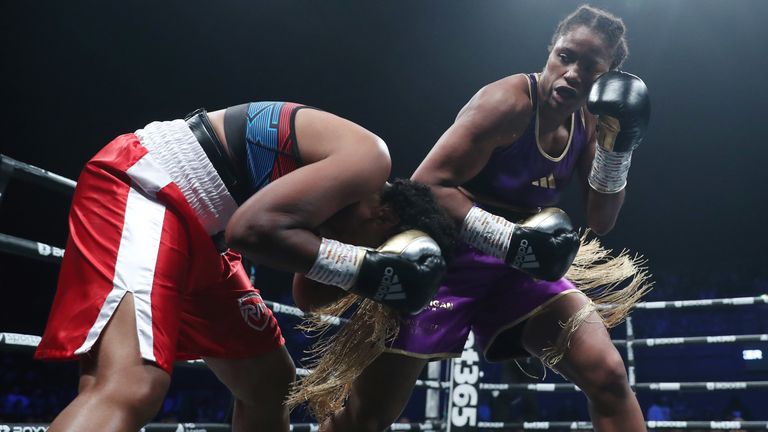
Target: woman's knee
<point>607,380</point>
<point>277,376</point>
<point>136,390</point>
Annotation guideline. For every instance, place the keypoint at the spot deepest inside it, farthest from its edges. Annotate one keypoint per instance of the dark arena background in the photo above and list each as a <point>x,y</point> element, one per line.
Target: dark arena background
<point>79,73</point>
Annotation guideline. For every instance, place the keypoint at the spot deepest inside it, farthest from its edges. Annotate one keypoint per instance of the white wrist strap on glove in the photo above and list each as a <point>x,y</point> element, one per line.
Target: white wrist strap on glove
<point>336,264</point>
<point>609,170</point>
<point>487,232</point>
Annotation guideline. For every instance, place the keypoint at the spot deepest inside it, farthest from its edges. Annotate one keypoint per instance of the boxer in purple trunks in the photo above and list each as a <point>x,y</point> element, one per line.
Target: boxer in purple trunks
<point>480,292</point>
<point>511,151</point>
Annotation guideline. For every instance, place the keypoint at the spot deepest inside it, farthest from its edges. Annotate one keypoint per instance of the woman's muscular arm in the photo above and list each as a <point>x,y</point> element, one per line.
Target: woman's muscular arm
<point>601,209</point>
<point>494,117</point>
<point>344,163</point>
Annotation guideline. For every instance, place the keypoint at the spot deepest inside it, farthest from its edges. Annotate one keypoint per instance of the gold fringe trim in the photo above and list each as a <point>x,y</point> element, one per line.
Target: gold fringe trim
<point>338,360</point>
<point>613,284</point>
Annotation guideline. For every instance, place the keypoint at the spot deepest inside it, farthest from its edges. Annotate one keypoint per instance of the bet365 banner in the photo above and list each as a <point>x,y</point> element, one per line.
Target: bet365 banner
<point>462,403</point>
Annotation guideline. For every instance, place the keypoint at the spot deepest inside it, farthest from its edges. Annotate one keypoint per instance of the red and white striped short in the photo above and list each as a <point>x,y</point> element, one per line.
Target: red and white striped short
<point>141,223</point>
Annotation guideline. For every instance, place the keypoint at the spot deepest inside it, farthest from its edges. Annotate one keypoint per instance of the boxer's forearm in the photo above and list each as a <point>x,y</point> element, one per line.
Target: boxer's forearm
<point>603,210</point>
<point>455,203</point>
<point>276,245</point>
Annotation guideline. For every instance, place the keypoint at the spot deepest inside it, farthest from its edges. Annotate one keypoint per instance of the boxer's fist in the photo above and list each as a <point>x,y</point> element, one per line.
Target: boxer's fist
<point>403,273</point>
<point>544,245</point>
<point>621,102</point>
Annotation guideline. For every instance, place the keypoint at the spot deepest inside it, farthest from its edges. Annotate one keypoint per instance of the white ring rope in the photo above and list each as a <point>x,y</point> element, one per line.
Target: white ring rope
<point>654,387</point>
<point>579,425</point>
<point>693,340</point>
<point>704,303</point>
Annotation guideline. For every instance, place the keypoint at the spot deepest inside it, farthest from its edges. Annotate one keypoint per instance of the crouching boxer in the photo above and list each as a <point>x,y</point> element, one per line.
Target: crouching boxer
<point>149,277</point>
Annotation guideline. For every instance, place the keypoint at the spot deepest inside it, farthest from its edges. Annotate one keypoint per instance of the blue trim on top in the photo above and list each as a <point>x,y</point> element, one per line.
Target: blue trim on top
<point>261,141</point>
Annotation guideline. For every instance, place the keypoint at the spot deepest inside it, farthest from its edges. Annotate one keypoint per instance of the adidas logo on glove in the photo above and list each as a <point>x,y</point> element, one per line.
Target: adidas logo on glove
<point>389,288</point>
<point>525,258</point>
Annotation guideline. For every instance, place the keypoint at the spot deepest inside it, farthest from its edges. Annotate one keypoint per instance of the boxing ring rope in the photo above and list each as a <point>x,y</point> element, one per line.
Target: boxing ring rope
<point>30,249</point>
<point>659,386</point>
<point>10,168</point>
<point>563,425</point>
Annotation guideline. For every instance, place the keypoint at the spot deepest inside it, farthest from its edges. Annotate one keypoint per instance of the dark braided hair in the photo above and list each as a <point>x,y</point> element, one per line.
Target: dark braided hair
<point>610,27</point>
<point>417,209</point>
<point>337,361</point>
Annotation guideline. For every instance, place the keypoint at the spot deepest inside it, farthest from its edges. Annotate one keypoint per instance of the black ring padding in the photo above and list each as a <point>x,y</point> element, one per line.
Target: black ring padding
<point>6,172</point>
<point>38,176</point>
<point>201,127</point>
<point>30,249</point>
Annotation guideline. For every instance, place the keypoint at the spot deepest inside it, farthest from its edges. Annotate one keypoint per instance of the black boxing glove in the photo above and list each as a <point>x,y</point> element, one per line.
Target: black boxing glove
<point>621,102</point>
<point>404,273</point>
<point>543,245</point>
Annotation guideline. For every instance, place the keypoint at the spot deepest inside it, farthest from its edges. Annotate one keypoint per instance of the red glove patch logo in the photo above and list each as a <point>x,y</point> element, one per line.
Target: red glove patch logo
<point>254,311</point>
